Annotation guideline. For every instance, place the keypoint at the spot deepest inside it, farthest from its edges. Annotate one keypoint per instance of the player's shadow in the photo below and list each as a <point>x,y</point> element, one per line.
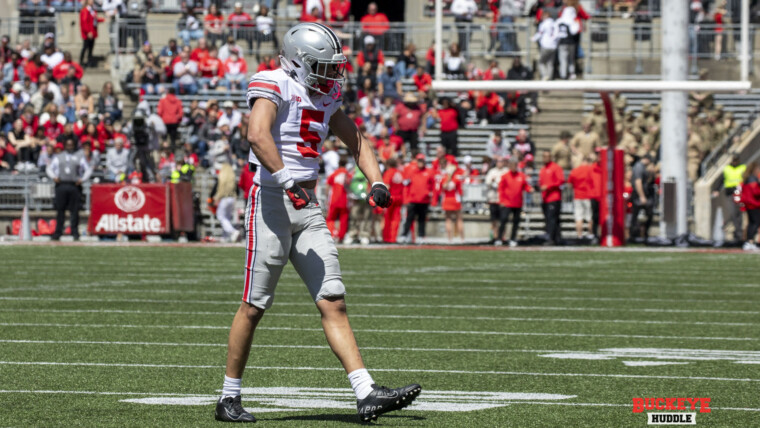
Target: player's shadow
<point>347,418</point>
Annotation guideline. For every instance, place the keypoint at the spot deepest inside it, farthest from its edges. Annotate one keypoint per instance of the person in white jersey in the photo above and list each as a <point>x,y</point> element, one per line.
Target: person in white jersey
<point>292,110</point>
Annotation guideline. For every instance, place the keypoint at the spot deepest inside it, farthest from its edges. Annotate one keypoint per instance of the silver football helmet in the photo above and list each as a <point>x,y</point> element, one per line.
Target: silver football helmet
<point>313,55</point>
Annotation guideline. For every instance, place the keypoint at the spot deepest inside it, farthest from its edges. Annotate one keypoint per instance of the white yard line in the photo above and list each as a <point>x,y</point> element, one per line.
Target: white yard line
<point>384,305</point>
<point>466,372</point>
<point>224,345</point>
<point>406,317</point>
<point>169,394</point>
<point>390,295</point>
<point>386,331</point>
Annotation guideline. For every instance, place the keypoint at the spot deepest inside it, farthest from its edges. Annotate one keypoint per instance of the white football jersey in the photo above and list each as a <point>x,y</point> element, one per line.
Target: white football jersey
<point>300,127</point>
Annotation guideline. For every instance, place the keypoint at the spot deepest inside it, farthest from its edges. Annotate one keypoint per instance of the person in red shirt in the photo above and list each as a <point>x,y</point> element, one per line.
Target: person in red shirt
<point>451,190</point>
<point>34,68</point>
<point>170,111</point>
<point>448,116</point>
<point>105,135</point>
<point>550,178</point>
<point>751,200</point>
<point>211,70</point>
<point>395,181</point>
<point>370,54</point>
<point>596,193</point>
<point>581,178</point>
<point>88,27</point>
<point>338,210</point>
<point>440,157</point>
<point>407,119</point>
<point>309,15</point>
<point>490,106</point>
<point>418,196</point>
<point>375,23</point>
<point>201,52</point>
<point>61,70</point>
<point>494,72</point>
<point>339,12</point>
<point>267,63</point>
<point>213,25</point>
<point>423,81</point>
<point>241,25</point>
<point>511,187</point>
<point>235,71</point>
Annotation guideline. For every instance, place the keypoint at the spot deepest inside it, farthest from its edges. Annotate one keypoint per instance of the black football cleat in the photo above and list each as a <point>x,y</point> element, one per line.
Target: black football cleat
<point>383,400</point>
<point>230,409</point>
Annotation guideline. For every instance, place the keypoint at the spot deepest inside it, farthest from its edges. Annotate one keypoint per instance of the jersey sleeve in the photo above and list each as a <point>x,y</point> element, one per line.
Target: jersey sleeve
<point>263,87</point>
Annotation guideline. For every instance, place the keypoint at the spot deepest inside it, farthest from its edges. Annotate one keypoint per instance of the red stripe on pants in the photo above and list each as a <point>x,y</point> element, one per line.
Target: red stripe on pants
<point>250,243</point>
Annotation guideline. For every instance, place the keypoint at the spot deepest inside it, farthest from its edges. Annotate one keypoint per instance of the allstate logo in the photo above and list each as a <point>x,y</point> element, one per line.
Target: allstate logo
<point>129,199</point>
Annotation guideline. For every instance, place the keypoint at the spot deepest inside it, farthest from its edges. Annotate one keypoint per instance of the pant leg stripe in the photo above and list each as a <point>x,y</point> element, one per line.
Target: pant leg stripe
<point>250,243</point>
<point>257,198</point>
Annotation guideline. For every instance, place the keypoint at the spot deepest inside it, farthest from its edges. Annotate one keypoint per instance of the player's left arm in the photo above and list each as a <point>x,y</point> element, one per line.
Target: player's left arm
<point>345,129</point>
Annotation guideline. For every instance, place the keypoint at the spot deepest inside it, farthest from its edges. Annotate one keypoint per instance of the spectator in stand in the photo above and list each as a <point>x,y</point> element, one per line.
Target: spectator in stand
<point>394,178</point>
<point>26,51</point>
<point>108,105</point>
<point>512,184</point>
<point>199,53</point>
<point>34,68</point>
<point>51,57</point>
<point>211,71</point>
<point>492,180</point>
<point>561,152</point>
<point>550,178</point>
<point>83,101</point>
<point>61,70</point>
<point>583,185</point>
<point>13,70</point>
<point>91,157</point>
<point>235,71</point>
<point>168,53</point>
<point>463,11</point>
<point>370,54</point>
<point>213,25</point>
<point>490,108</point>
<point>546,36</point>
<point>567,29</point>
<point>389,83</point>
<point>191,27</point>
<point>308,14</point>
<point>407,119</point>
<point>117,162</point>
<point>265,30</point>
<point>224,199</point>
<point>450,118</point>
<point>642,196</point>
<point>454,63</point>
<point>418,195</point>
<point>494,72</point>
<point>340,11</point>
<point>170,111</point>
<point>226,50</point>
<point>241,26</point>
<point>497,147</point>
<point>523,143</point>
<point>90,135</point>
<point>338,182</point>
<point>184,72</point>
<point>423,81</point>
<point>232,114</point>
<point>105,136</point>
<point>750,197</point>
<point>246,176</point>
<point>451,203</point>
<point>149,75</point>
<point>508,10</point>
<point>407,62</point>
<point>375,23</point>
<point>88,26</point>
<point>596,194</point>
<point>68,170</point>
<point>584,143</point>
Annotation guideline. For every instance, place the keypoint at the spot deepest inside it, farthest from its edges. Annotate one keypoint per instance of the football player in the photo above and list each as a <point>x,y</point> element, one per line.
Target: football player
<point>292,110</point>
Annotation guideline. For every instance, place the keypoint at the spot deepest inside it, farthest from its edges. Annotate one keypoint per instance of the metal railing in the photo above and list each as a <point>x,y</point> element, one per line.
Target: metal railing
<point>728,142</point>
<point>31,190</point>
<point>32,28</point>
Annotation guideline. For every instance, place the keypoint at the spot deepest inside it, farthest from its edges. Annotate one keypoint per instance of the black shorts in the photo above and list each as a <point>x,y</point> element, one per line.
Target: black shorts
<point>495,211</point>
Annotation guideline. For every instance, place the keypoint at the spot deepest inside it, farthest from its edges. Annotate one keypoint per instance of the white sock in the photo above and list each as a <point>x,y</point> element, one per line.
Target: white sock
<point>361,382</point>
<point>231,387</point>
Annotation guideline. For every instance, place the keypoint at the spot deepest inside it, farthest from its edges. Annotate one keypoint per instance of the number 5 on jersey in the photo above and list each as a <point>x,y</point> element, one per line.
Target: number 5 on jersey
<point>311,139</point>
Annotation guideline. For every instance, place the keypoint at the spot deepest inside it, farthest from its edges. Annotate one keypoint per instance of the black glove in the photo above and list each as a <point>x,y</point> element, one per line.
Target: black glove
<point>298,196</point>
<point>379,196</point>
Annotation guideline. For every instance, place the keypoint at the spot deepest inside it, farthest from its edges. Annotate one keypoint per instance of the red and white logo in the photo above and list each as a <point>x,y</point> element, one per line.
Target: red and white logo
<point>666,410</point>
<point>129,199</point>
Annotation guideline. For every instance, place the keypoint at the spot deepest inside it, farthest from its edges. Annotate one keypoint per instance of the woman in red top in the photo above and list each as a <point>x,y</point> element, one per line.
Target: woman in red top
<point>720,11</point>
<point>451,189</point>
<point>448,116</point>
<point>511,187</point>
<point>751,201</point>
<point>213,24</point>
<point>88,26</point>
<point>90,137</point>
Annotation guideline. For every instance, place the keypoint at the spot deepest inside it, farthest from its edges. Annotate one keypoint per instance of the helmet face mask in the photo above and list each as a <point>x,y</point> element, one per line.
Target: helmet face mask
<point>312,55</point>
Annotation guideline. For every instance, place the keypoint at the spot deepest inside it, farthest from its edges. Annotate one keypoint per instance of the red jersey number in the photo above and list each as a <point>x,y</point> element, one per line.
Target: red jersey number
<point>311,139</point>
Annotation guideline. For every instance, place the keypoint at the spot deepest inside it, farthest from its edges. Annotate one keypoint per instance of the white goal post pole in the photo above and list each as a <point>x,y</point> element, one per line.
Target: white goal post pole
<point>592,85</point>
<point>438,40</point>
<point>744,37</point>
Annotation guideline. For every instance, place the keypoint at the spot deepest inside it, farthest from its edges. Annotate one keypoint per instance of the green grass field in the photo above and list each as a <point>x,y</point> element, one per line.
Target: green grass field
<point>136,336</point>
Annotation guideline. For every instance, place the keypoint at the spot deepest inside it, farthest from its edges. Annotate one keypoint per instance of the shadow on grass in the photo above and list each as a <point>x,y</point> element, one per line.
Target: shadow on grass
<point>346,418</point>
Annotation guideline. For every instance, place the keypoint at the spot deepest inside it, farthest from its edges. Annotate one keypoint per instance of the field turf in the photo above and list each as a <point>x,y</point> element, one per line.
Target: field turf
<point>136,336</point>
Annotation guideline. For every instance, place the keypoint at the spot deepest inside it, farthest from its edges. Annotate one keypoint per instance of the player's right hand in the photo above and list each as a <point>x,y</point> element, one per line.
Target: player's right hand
<point>297,196</point>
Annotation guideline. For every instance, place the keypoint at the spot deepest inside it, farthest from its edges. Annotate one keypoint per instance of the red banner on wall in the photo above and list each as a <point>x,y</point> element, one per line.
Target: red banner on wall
<point>130,209</point>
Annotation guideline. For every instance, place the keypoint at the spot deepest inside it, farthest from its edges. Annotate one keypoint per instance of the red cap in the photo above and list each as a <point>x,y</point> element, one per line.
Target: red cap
<point>59,146</point>
<point>420,156</point>
<point>529,157</point>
